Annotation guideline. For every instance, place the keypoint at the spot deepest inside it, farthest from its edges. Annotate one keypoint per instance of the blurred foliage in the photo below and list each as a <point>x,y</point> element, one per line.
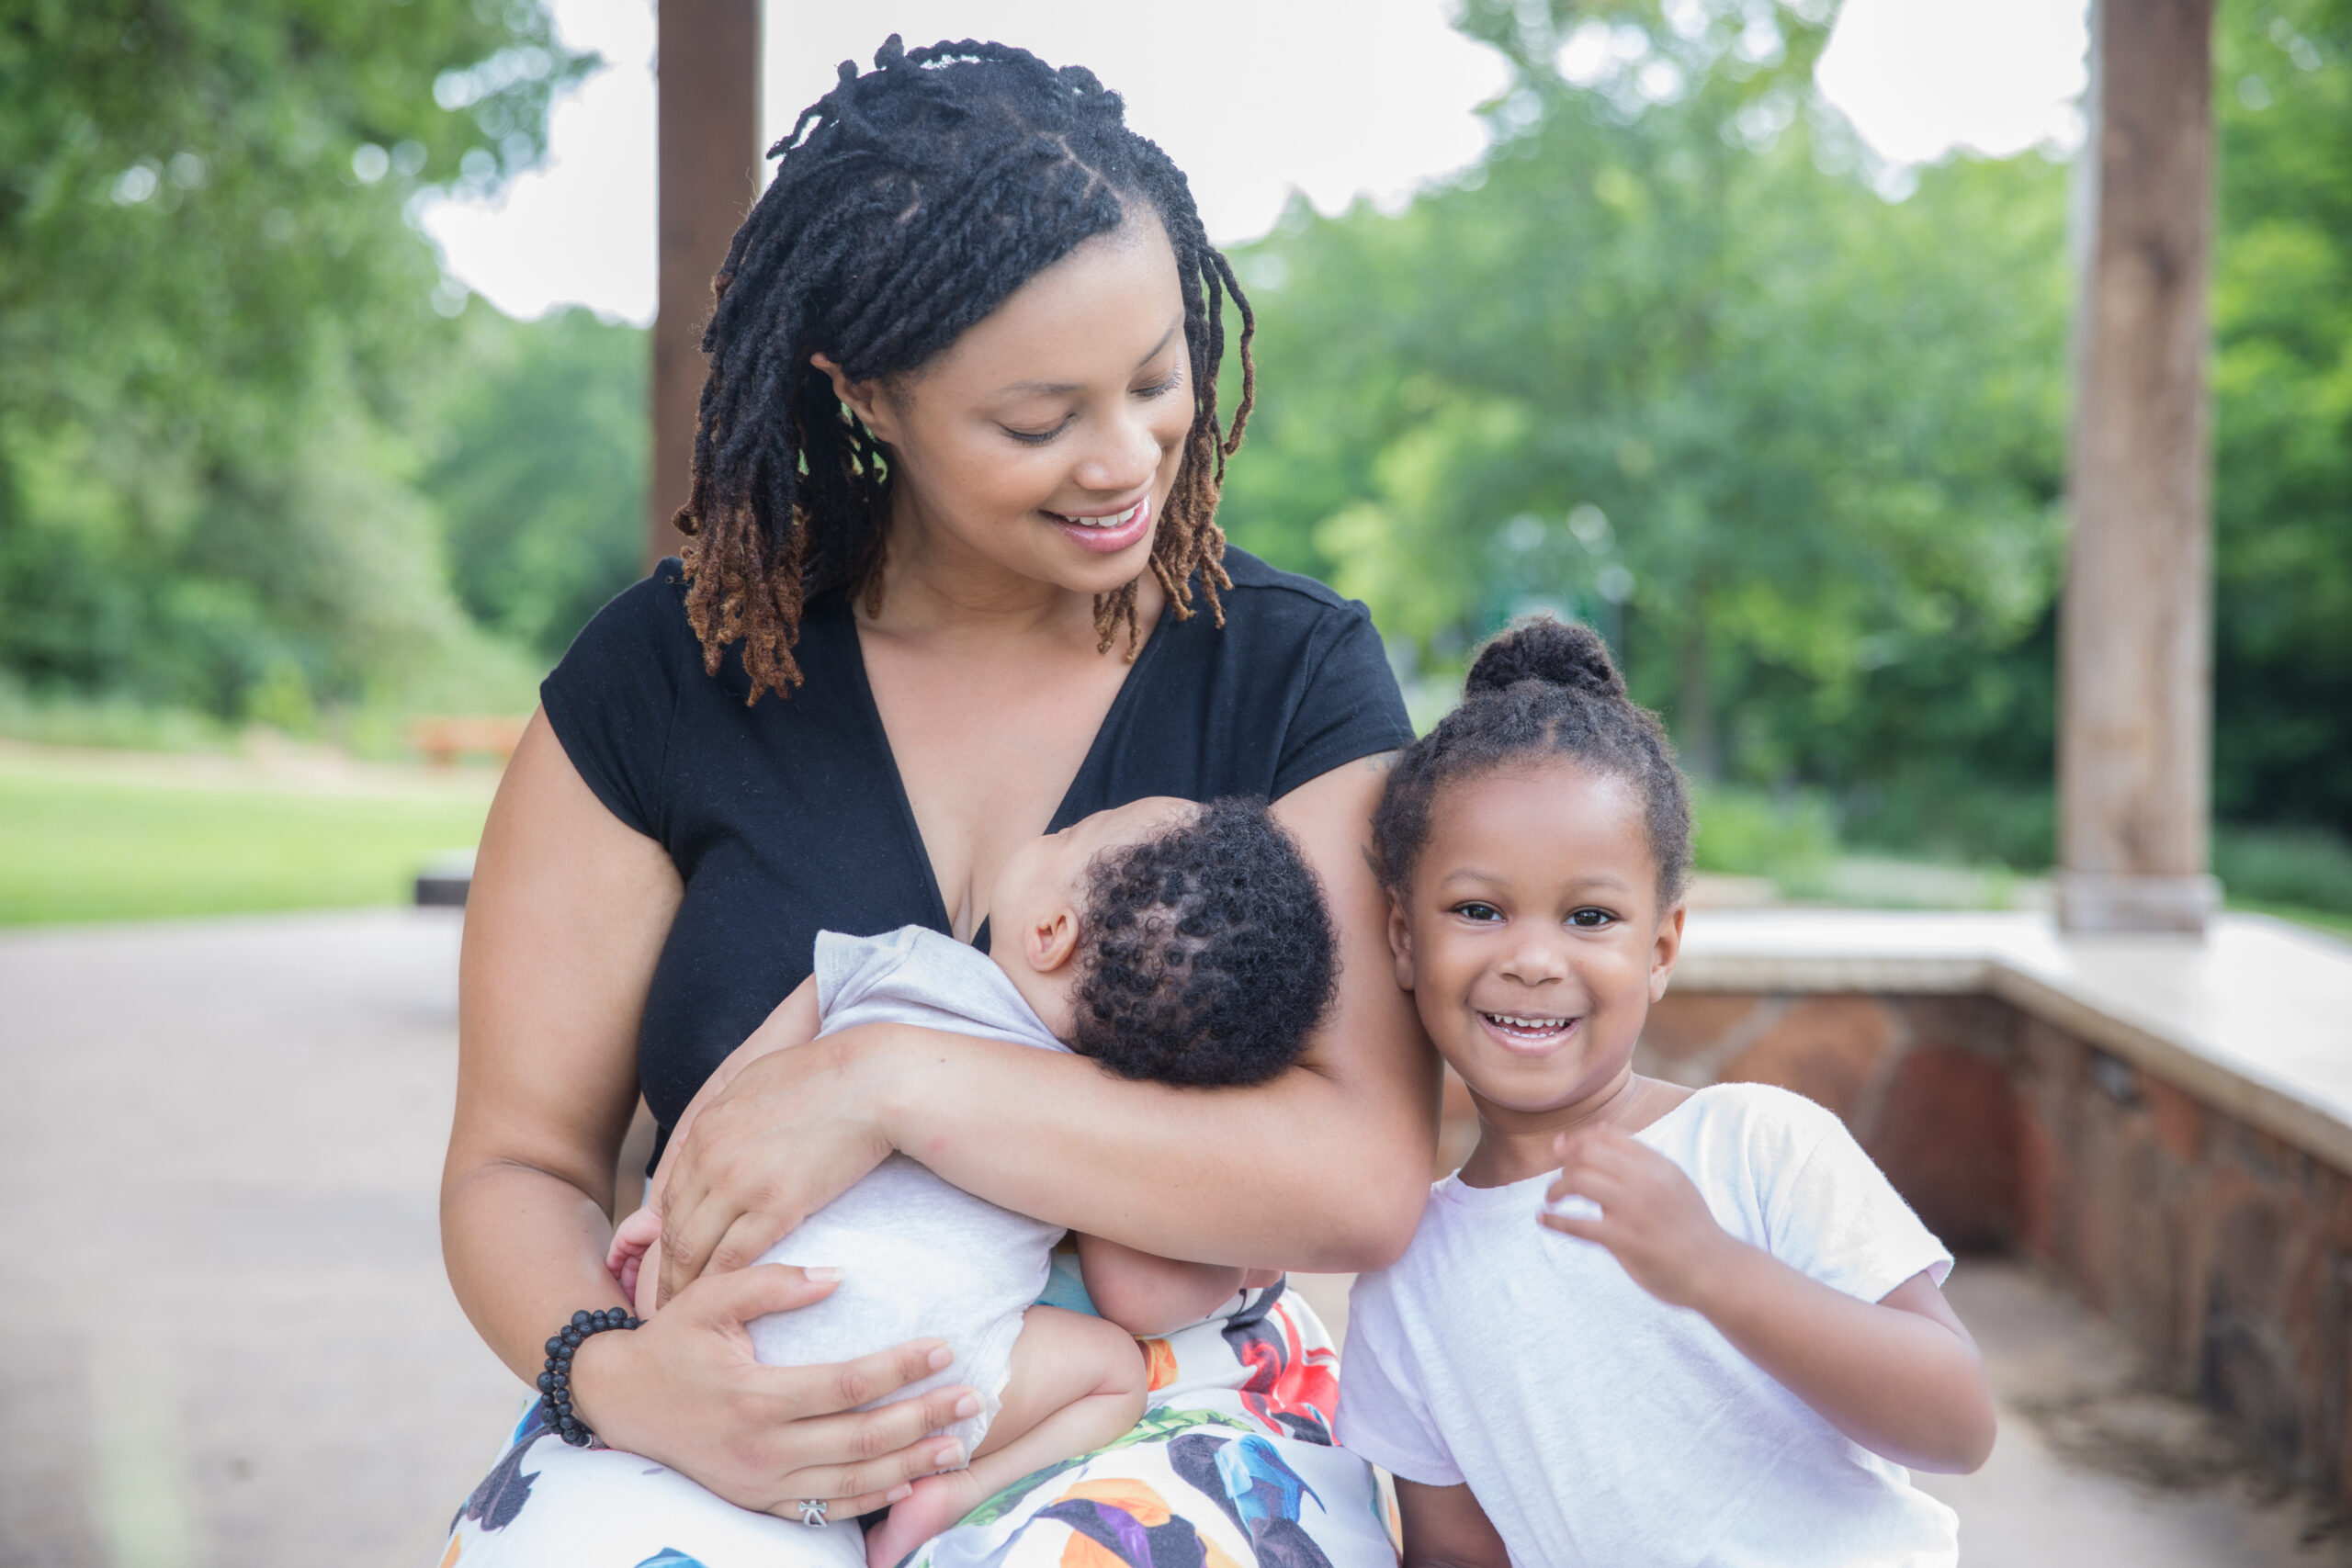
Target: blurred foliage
<point>217,320</point>
<point>1668,361</point>
<point>1680,358</point>
<point>540,471</point>
<point>2283,492</point>
<point>1791,839</point>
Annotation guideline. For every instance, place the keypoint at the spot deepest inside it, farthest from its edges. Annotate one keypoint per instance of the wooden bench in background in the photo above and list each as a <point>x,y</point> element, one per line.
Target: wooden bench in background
<point>443,737</point>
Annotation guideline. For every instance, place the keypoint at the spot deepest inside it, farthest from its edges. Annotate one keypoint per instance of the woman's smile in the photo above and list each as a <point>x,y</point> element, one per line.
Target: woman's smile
<point>1108,531</point>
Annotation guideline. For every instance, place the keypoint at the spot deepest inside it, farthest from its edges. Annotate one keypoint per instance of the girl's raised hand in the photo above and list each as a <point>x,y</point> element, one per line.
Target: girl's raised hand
<point>1651,1218</point>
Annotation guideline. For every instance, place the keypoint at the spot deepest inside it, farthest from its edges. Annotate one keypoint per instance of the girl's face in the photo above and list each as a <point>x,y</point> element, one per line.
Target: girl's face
<point>1532,937</point>
<point>1040,447</point>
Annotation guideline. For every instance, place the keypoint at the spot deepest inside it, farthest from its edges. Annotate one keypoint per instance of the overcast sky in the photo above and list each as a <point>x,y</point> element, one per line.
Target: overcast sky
<point>1252,97</point>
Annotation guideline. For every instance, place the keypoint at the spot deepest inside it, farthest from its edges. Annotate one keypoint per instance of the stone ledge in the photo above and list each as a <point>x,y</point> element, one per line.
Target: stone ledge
<point>2255,1018</point>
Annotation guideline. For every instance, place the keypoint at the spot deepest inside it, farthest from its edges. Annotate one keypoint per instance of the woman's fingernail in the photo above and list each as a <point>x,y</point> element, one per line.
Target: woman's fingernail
<point>967,1406</point>
<point>948,1457</point>
<point>897,1494</point>
<point>941,1356</point>
<point>826,1274</point>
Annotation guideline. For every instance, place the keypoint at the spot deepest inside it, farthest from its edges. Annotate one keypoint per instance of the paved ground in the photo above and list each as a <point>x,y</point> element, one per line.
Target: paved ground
<point>225,1338</point>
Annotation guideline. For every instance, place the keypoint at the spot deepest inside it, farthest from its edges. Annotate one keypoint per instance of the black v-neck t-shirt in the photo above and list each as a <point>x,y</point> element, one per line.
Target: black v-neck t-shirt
<point>789,818</point>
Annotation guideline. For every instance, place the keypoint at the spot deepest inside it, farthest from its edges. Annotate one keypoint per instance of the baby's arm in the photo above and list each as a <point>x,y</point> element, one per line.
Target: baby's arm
<point>794,1022</point>
<point>1445,1527</point>
<point>1899,1376</point>
<point>1148,1295</point>
<point>1078,1383</point>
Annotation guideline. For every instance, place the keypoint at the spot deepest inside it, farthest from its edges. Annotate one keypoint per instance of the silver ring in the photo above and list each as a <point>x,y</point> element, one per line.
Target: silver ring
<point>812,1512</point>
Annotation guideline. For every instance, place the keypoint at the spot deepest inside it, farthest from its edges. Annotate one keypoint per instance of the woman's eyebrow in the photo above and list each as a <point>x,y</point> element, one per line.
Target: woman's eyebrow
<point>1056,388</point>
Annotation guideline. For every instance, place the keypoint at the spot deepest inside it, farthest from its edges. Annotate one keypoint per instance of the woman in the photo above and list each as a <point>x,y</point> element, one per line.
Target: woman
<point>954,580</point>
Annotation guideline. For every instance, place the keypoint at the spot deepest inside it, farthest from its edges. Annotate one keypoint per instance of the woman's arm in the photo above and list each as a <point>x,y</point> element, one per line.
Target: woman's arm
<point>566,918</point>
<point>1325,1168</point>
<point>1900,1375</point>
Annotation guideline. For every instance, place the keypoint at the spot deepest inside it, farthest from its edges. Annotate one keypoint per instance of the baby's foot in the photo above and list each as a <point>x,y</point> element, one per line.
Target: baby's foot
<point>938,1501</point>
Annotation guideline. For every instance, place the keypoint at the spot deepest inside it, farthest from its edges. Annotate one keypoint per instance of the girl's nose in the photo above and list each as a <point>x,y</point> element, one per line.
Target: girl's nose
<point>1534,962</point>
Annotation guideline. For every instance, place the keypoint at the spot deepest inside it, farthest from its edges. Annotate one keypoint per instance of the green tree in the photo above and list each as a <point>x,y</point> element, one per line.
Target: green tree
<point>540,471</point>
<point>214,311</point>
<point>1666,359</point>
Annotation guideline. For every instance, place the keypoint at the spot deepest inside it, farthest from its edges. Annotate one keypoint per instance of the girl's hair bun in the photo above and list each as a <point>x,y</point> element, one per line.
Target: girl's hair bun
<point>1558,653</point>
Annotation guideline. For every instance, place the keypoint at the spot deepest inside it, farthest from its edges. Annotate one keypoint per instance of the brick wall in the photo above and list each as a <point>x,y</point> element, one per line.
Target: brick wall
<point>2223,1253</point>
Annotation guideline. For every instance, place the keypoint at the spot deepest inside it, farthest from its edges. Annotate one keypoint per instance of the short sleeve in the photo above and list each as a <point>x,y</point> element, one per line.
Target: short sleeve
<point>613,699</point>
<point>1350,707</point>
<point>1383,1415</point>
<point>1832,1214</point>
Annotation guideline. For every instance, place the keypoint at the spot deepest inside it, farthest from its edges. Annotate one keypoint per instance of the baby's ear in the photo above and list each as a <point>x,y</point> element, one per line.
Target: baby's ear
<point>1050,941</point>
<point>1400,942</point>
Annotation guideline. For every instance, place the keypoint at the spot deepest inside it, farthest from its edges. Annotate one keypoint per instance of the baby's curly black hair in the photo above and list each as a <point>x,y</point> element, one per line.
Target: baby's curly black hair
<point>1545,688</point>
<point>1206,957</point>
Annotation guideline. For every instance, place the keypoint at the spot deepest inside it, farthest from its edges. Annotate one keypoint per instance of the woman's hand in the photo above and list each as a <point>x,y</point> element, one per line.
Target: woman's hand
<point>685,1391</point>
<point>793,1131</point>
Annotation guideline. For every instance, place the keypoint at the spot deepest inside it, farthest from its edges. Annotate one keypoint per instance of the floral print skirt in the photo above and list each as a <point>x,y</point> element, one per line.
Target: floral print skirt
<point>1232,1466</point>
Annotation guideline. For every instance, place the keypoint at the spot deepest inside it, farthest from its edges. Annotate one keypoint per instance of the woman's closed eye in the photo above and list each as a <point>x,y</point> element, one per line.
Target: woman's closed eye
<point>1158,389</point>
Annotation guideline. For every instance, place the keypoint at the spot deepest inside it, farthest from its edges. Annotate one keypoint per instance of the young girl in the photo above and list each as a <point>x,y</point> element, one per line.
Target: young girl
<point>1642,1324</point>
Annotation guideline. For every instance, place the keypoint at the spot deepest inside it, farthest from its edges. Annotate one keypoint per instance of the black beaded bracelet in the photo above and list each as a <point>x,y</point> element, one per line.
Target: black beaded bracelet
<point>555,1382</point>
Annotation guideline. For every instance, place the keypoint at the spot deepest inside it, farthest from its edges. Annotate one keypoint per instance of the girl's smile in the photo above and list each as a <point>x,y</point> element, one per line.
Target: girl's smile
<point>1531,939</point>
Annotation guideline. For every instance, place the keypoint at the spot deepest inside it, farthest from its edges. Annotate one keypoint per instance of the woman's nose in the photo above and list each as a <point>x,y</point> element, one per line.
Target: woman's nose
<point>1124,456</point>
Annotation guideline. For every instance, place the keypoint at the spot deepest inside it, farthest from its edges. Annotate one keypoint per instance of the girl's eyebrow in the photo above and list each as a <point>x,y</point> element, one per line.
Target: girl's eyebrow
<point>1058,389</point>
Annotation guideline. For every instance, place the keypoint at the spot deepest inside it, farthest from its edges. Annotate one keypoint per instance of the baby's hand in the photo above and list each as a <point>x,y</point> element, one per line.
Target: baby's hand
<point>1652,1218</point>
<point>632,1239</point>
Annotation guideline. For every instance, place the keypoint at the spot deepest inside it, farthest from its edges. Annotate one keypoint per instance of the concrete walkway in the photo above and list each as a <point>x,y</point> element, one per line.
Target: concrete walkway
<point>225,1338</point>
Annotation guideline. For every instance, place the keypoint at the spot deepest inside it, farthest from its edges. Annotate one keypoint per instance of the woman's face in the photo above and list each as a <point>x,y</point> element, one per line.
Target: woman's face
<point>1044,442</point>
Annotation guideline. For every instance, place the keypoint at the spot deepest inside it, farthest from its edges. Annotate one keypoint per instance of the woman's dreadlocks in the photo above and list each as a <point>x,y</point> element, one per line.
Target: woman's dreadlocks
<point>909,203</point>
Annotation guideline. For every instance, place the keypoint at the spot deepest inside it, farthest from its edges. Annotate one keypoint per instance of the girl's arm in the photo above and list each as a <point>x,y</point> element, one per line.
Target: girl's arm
<point>1900,1376</point>
<point>1145,1293</point>
<point>568,914</point>
<point>1445,1527</point>
<point>1326,1167</point>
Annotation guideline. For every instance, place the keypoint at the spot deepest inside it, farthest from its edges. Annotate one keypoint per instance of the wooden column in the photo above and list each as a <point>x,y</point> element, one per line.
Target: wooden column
<point>2135,636</point>
<point>708,72</point>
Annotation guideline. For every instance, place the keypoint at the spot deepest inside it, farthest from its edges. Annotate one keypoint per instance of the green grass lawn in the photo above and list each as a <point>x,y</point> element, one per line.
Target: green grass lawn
<point>76,849</point>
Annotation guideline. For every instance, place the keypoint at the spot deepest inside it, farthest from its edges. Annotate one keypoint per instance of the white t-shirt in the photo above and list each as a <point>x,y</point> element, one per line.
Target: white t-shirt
<point>1597,1425</point>
<point>919,1257</point>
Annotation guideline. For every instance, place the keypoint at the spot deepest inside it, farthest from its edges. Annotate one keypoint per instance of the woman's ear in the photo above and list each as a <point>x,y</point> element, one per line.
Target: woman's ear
<point>1400,942</point>
<point>1050,941</point>
<point>865,398</point>
<point>1665,948</point>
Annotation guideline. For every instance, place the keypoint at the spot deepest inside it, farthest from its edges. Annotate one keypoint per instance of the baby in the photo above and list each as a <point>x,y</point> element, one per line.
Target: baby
<point>1184,943</point>
<point>1641,1324</point>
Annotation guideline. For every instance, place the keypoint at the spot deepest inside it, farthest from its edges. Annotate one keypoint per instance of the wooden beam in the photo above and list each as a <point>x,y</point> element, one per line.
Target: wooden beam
<point>2135,633</point>
<point>708,72</point>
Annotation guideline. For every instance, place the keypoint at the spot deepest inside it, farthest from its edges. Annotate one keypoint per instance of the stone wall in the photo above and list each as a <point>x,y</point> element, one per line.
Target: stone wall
<point>2223,1253</point>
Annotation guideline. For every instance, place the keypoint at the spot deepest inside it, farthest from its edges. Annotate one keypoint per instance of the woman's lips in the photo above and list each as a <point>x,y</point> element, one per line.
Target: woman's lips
<point>1527,1033</point>
<point>1106,532</point>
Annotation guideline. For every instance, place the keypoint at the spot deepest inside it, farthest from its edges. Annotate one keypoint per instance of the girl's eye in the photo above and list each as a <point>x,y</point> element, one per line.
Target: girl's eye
<point>1591,919</point>
<point>1479,912</point>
